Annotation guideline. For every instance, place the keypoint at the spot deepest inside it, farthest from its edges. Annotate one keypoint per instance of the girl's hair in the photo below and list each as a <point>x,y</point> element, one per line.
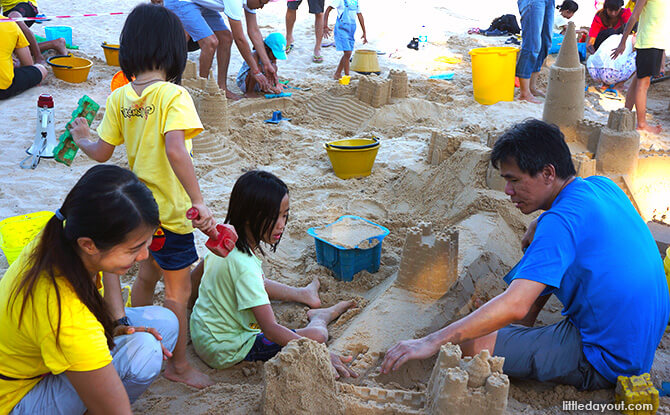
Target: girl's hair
<point>254,205</point>
<point>153,39</point>
<point>569,5</point>
<point>614,5</point>
<point>106,204</point>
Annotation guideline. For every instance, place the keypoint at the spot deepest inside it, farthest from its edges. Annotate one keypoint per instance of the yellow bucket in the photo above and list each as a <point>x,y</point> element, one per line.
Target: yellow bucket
<point>17,231</point>
<point>111,53</point>
<point>70,68</point>
<point>493,74</point>
<point>352,157</point>
<point>365,62</point>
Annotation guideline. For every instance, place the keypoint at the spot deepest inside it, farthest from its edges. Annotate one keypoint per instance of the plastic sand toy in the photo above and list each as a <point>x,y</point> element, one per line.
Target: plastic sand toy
<point>283,94</point>
<point>66,148</point>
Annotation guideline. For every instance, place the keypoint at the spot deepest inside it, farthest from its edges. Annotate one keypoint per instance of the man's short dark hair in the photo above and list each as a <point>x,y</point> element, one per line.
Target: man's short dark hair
<point>534,144</point>
<point>153,38</point>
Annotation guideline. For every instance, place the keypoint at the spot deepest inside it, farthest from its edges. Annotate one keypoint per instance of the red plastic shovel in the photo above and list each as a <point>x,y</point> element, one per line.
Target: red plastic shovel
<point>221,240</point>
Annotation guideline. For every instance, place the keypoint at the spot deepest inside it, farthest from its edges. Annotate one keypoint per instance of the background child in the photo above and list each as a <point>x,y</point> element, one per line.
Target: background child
<point>608,21</point>
<point>16,80</point>
<point>563,14</point>
<point>345,28</point>
<point>232,319</point>
<point>275,47</point>
<point>157,120</point>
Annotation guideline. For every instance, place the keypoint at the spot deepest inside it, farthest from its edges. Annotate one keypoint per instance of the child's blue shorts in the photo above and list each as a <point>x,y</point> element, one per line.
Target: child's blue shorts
<point>344,36</point>
<point>263,349</point>
<point>177,253</point>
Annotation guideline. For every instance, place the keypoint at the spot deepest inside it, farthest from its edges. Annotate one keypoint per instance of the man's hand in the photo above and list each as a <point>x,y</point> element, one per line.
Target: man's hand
<point>124,330</point>
<point>619,49</point>
<point>406,350</point>
<point>80,130</point>
<point>341,369</point>
<point>262,81</point>
<point>528,236</point>
<point>271,74</point>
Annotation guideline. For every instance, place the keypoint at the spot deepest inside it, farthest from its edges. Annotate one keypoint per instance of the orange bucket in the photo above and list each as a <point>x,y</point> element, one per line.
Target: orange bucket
<point>118,80</point>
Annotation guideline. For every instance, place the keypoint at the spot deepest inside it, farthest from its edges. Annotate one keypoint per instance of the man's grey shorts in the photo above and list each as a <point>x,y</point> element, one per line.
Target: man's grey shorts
<point>549,354</point>
<point>315,6</point>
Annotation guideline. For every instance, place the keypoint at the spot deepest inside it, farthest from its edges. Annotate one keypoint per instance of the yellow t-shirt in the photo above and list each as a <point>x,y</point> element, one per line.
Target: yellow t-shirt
<point>654,27</point>
<point>141,123</point>
<point>9,4</point>
<point>31,350</point>
<point>11,38</point>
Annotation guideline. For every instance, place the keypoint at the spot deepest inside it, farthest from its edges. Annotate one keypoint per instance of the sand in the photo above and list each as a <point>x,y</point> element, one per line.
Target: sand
<point>407,185</point>
<point>350,233</point>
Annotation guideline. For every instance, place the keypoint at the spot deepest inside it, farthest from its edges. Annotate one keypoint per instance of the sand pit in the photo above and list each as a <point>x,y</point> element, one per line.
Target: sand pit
<point>432,168</point>
<point>350,233</point>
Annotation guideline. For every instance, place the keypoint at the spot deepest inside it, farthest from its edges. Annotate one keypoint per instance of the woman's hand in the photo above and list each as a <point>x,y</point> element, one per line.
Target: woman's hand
<point>122,330</point>
<point>341,369</point>
<point>262,81</point>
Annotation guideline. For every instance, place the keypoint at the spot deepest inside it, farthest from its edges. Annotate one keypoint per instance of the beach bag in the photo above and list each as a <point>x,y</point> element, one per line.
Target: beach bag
<point>602,68</point>
<point>506,23</point>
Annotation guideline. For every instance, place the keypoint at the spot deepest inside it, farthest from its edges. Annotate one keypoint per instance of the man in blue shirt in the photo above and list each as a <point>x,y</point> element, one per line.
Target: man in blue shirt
<point>591,249</point>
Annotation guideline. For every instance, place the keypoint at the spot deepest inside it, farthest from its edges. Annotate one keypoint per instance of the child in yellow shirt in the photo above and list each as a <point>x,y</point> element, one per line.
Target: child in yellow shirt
<point>16,80</point>
<point>156,119</point>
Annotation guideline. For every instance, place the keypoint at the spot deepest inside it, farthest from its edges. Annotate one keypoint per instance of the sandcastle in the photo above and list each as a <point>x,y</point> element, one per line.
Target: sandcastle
<point>210,101</point>
<point>399,84</point>
<point>564,104</point>
<point>618,144</point>
<point>374,90</point>
<point>299,380</point>
<point>442,146</point>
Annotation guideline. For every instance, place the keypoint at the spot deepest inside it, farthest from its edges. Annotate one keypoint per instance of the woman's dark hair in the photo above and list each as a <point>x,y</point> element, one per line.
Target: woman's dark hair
<point>254,204</point>
<point>613,5</point>
<point>153,38</point>
<point>569,5</point>
<point>106,204</point>
<point>534,144</point>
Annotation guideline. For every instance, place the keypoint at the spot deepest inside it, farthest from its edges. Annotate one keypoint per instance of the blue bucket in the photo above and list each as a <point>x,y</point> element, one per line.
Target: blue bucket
<point>54,32</point>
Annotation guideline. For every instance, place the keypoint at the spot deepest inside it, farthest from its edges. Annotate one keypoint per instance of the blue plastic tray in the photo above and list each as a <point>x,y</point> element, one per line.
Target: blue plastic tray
<point>345,262</point>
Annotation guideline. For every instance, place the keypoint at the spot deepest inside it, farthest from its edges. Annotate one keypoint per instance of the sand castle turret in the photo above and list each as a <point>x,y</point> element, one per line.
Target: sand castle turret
<point>429,261</point>
<point>399,84</point>
<point>619,144</point>
<point>564,104</point>
<point>213,107</point>
<point>468,386</point>
<point>374,90</point>
<point>190,78</point>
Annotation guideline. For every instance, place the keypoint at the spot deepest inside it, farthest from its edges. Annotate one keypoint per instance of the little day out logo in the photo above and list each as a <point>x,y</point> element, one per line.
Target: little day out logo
<point>137,110</point>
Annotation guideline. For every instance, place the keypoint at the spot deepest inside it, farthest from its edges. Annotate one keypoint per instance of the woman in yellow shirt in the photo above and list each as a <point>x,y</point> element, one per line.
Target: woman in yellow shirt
<point>61,352</point>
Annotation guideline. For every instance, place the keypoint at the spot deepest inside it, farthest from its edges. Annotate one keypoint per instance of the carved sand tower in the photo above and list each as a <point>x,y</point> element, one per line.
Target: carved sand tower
<point>618,145</point>
<point>213,108</point>
<point>399,84</point>
<point>190,78</point>
<point>374,90</point>
<point>564,104</point>
<point>469,386</point>
<point>429,261</point>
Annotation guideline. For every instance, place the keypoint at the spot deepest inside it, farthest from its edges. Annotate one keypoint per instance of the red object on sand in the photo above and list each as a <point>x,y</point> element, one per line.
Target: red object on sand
<point>221,240</point>
<point>516,82</point>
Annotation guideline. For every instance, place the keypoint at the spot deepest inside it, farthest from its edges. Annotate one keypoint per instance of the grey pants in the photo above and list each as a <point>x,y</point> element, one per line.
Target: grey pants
<point>137,358</point>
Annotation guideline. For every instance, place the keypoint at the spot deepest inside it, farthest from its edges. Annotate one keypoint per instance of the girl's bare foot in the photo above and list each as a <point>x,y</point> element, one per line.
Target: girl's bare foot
<point>231,95</point>
<point>337,77</point>
<point>537,92</point>
<point>311,294</point>
<point>655,129</point>
<point>331,313</point>
<point>187,375</point>
<point>529,97</point>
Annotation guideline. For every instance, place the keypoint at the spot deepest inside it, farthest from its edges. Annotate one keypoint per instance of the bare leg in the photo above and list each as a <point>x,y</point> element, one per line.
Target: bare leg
<point>319,318</point>
<point>308,295</point>
<point>225,38</point>
<point>346,57</point>
<point>33,46</point>
<point>641,87</point>
<point>143,287</point>
<point>473,347</point>
<point>196,277</point>
<point>318,31</point>
<point>208,46</point>
<point>290,22</point>
<point>524,91</point>
<point>177,293</point>
<point>533,85</point>
<point>630,94</point>
<point>57,44</point>
<point>340,67</point>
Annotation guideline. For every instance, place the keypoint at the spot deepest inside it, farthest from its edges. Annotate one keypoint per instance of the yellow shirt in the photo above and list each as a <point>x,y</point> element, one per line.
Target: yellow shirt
<point>9,4</point>
<point>11,38</point>
<point>31,350</point>
<point>654,27</point>
<point>141,123</point>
